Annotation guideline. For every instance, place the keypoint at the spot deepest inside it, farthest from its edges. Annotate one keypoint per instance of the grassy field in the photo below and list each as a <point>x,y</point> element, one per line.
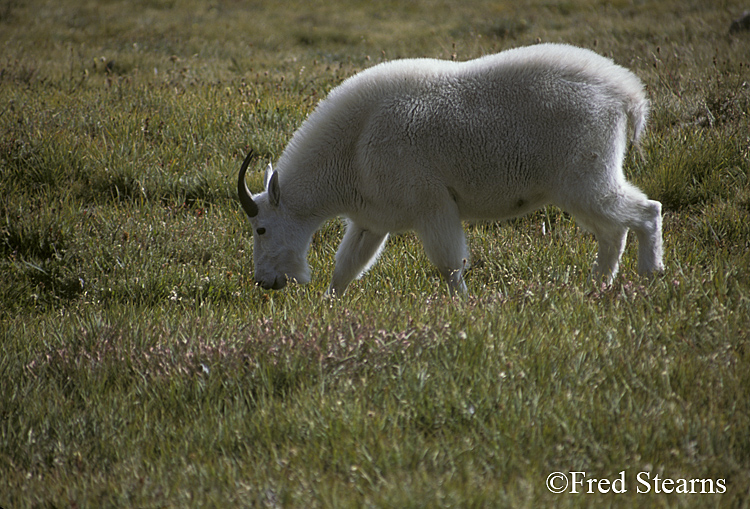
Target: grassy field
<point>141,367</point>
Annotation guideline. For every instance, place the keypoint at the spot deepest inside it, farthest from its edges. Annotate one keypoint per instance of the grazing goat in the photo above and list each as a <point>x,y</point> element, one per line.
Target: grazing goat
<point>422,144</point>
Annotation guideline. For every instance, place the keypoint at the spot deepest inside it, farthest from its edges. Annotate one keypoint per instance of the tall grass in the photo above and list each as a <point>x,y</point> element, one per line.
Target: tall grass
<point>142,367</point>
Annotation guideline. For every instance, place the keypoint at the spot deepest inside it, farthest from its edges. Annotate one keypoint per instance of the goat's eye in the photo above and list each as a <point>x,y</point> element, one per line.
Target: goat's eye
<point>261,231</point>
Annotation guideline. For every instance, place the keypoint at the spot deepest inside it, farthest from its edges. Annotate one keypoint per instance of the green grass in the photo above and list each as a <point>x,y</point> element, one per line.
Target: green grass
<point>141,367</point>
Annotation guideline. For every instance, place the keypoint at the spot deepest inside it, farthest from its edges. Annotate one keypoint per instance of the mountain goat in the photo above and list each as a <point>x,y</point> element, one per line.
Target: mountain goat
<point>422,144</point>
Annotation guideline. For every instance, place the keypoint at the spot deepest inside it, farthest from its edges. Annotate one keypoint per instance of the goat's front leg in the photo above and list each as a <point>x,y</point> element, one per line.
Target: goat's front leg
<point>445,245</point>
<point>358,251</point>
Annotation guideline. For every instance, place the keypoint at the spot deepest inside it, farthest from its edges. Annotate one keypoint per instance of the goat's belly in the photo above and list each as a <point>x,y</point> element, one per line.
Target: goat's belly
<point>479,208</point>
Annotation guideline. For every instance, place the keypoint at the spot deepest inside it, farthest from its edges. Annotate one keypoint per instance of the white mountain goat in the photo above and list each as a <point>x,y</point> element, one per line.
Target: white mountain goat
<point>423,144</point>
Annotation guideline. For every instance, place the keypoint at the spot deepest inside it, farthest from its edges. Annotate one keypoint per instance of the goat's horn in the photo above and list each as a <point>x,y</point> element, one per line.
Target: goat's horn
<point>246,199</point>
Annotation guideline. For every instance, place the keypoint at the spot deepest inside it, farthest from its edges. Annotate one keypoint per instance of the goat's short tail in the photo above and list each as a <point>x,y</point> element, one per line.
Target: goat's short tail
<point>638,110</point>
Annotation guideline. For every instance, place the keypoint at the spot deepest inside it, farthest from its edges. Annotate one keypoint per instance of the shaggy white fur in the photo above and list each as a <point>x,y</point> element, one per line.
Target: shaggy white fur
<point>424,144</point>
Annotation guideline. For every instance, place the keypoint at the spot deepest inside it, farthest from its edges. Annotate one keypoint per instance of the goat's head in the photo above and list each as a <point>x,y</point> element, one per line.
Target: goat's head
<point>280,244</point>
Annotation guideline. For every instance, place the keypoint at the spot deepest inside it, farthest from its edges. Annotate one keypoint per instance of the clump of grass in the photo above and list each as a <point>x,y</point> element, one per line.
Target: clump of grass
<point>694,167</point>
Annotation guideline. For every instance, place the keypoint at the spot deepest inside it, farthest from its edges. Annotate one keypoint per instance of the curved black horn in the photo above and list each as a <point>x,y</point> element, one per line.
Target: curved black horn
<point>246,199</point>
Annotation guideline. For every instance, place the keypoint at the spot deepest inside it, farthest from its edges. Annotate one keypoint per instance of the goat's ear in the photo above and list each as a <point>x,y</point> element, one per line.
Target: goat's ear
<point>274,193</point>
<point>267,175</point>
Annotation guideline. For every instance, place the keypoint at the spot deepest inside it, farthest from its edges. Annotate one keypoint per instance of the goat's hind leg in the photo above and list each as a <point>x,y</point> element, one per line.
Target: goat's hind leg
<point>610,219</point>
<point>647,228</point>
<point>611,238</point>
<point>610,235</point>
<point>358,251</point>
<point>636,211</point>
